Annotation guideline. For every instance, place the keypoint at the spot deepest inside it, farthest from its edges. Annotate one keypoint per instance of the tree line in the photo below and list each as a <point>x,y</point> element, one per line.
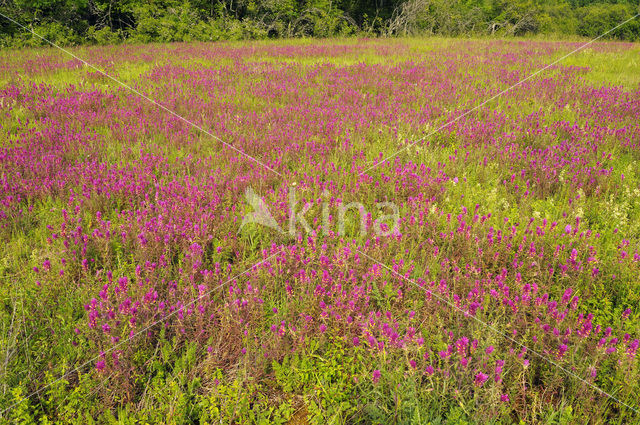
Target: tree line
<point>70,22</point>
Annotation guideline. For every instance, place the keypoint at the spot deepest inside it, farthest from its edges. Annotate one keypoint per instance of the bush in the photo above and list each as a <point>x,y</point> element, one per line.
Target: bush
<point>597,19</point>
<point>174,23</point>
<point>51,31</point>
<point>558,19</point>
<point>105,35</point>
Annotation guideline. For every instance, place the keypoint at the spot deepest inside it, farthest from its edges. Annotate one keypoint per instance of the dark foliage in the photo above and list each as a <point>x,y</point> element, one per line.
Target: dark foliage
<point>71,22</point>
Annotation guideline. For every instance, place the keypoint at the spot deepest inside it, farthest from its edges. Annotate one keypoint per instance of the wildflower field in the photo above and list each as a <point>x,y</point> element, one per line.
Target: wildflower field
<point>321,232</point>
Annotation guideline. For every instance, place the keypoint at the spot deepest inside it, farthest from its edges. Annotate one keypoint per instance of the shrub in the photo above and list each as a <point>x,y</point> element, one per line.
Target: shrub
<point>597,19</point>
<point>104,35</point>
<point>53,31</point>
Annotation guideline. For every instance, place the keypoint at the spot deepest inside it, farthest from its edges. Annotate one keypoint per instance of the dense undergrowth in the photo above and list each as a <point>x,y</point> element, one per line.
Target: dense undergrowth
<point>108,22</point>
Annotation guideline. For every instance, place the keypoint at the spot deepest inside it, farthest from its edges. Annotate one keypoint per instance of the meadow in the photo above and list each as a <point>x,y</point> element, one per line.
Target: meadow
<point>505,289</point>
